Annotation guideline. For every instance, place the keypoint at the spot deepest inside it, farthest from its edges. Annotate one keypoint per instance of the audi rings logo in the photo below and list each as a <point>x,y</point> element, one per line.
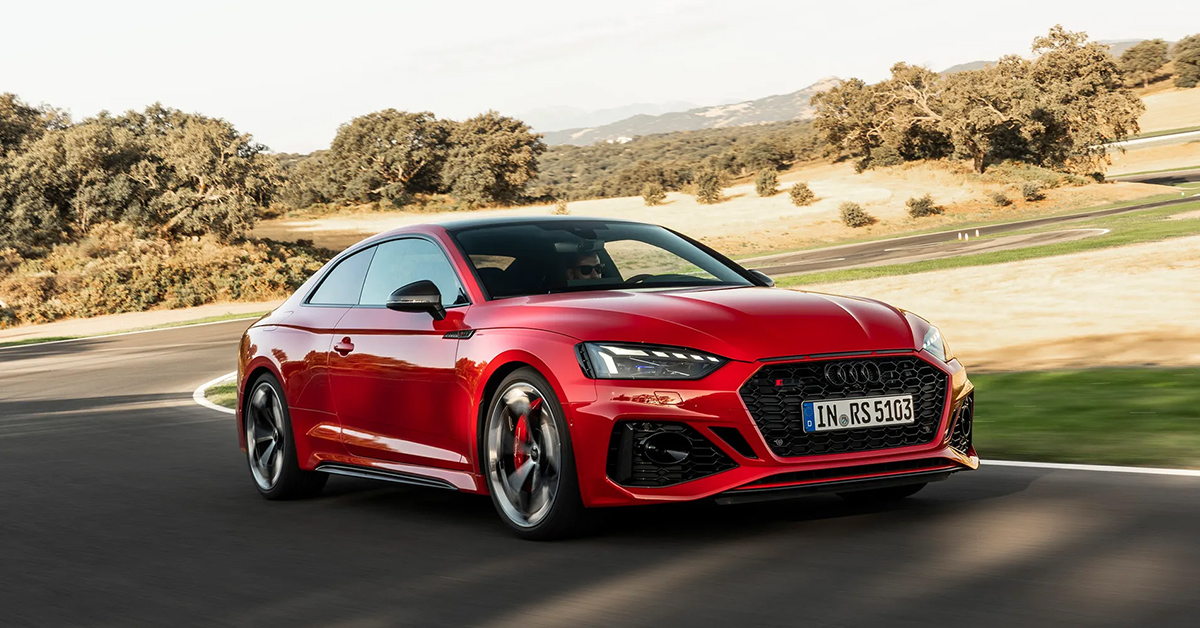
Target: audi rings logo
<point>851,374</point>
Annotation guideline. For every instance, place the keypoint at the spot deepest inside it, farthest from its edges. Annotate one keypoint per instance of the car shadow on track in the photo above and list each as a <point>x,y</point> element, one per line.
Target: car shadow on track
<point>701,521</point>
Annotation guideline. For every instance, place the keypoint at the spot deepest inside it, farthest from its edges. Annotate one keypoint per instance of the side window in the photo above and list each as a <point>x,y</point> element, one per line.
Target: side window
<point>344,283</point>
<point>401,262</point>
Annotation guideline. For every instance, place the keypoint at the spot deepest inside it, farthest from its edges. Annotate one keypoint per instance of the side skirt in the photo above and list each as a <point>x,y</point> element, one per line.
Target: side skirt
<point>385,476</point>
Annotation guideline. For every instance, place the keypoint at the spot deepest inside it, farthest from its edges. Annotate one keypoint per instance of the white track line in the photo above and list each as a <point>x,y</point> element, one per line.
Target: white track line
<point>1193,473</point>
<point>198,395</point>
<point>125,333</point>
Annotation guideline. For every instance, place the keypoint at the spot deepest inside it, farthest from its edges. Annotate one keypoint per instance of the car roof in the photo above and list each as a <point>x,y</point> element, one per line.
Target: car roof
<point>459,224</point>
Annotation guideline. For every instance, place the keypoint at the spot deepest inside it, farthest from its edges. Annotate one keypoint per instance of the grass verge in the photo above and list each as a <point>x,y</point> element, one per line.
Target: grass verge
<point>224,395</point>
<point>1144,136</point>
<point>1133,228</point>
<point>1125,416</point>
<point>198,321</point>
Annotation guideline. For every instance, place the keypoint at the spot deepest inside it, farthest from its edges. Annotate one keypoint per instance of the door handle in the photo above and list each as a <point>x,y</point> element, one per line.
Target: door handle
<point>344,347</point>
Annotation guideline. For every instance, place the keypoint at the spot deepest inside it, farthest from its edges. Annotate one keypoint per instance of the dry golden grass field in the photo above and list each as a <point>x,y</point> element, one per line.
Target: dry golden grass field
<point>1171,108</point>
<point>747,224</point>
<point>1125,306</point>
<point>1152,158</point>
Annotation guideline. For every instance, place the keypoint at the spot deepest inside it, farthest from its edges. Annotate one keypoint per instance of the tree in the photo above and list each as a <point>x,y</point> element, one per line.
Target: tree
<point>708,187</point>
<point>801,195</point>
<point>1186,58</point>
<point>765,155</point>
<point>1142,61</point>
<point>210,177</point>
<point>388,155</point>
<point>160,171</point>
<point>653,194</point>
<point>1079,103</point>
<point>491,159</point>
<point>850,118</point>
<point>20,122</point>
<point>767,182</point>
<point>982,106</point>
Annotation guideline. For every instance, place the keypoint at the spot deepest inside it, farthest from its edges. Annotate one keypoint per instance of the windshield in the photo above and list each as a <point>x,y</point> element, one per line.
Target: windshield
<point>560,256</point>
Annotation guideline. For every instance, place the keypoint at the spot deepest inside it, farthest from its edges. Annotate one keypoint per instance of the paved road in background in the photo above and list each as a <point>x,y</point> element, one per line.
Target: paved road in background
<point>893,250</point>
<point>124,504</point>
<point>1163,178</point>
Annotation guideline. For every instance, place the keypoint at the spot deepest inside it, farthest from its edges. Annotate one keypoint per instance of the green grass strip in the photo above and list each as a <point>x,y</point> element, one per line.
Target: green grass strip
<point>1133,228</point>
<point>1123,416</point>
<point>224,395</point>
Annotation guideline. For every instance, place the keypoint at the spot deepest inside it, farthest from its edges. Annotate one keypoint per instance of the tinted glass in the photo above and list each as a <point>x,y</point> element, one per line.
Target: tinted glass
<point>560,256</point>
<point>344,283</point>
<point>401,262</point>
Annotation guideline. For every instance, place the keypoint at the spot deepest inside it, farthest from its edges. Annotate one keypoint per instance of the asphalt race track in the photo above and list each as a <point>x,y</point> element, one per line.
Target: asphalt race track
<point>938,245</point>
<point>124,504</point>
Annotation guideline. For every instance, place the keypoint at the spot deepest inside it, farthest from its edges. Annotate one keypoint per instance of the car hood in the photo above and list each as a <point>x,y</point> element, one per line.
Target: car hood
<point>738,323</point>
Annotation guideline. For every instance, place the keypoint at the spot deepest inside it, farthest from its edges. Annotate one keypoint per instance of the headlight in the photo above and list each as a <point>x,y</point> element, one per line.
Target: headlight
<point>610,360</point>
<point>936,346</point>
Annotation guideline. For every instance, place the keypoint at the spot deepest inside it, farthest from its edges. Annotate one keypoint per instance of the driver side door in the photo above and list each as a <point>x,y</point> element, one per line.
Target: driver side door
<point>392,373</point>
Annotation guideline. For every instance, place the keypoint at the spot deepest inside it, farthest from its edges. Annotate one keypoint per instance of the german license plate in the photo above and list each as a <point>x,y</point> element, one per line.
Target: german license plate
<point>853,414</point>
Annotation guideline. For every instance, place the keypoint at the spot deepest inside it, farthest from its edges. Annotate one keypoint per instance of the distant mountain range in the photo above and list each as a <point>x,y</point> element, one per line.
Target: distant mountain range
<point>554,118</point>
<point>793,106</point>
<point>1115,47</point>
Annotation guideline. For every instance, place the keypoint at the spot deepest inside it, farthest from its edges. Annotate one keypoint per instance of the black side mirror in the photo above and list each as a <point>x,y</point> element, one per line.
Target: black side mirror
<point>763,276</point>
<point>418,296</point>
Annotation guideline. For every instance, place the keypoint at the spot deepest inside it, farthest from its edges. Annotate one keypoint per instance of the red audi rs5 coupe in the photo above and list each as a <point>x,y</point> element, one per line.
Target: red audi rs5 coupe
<point>565,364</point>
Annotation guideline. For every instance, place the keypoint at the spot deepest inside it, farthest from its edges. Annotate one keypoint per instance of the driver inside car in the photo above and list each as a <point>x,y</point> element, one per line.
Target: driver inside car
<point>585,267</point>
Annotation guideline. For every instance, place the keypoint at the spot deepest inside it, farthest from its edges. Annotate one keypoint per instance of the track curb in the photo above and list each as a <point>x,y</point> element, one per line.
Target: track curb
<point>199,394</point>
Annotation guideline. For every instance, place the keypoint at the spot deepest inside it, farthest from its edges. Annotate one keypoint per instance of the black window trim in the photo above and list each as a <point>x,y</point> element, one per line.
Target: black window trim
<point>374,245</point>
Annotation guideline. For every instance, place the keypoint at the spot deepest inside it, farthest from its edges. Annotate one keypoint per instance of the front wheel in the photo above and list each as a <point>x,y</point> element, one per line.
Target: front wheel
<point>529,462</point>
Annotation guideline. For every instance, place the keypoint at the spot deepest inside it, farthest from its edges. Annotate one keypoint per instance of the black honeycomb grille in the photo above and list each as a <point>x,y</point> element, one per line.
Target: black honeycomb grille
<point>775,394</point>
<point>960,436</point>
<point>628,466</point>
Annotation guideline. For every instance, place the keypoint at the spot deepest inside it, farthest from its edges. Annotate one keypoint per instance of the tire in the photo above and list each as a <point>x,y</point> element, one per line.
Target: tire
<point>267,425</point>
<point>530,469</point>
<point>882,495</point>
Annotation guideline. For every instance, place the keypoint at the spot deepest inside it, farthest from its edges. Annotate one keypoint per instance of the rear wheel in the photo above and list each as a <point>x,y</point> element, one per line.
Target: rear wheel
<point>271,447</point>
<point>881,495</point>
<point>529,461</point>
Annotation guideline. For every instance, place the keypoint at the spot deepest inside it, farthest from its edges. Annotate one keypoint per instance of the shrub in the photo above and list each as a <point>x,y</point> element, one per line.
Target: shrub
<point>767,182</point>
<point>113,270</point>
<point>999,199</point>
<point>1032,191</point>
<point>708,187</point>
<point>801,194</point>
<point>560,207</point>
<point>854,216</point>
<point>919,207</point>
<point>654,194</point>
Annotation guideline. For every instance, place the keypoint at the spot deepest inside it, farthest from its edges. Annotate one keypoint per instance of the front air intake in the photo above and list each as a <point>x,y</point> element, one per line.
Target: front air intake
<point>659,453</point>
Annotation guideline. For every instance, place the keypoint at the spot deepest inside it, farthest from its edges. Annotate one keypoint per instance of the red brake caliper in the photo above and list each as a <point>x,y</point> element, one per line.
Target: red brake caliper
<point>521,436</point>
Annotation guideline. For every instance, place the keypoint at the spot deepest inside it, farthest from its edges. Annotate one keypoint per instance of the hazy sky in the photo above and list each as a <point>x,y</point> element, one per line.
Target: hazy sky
<point>290,72</point>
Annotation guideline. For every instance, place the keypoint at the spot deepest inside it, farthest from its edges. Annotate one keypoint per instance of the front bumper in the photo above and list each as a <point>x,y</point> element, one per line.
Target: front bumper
<point>755,471</point>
